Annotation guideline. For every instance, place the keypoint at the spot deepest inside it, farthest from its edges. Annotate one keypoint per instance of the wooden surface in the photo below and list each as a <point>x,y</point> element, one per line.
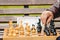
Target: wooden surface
<point>30,38</point>
<point>22,11</point>
<point>26,2</point>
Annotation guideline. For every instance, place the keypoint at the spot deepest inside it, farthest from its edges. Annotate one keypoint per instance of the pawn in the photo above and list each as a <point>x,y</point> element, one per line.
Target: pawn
<point>5,32</point>
<point>10,34</point>
<point>27,33</point>
<point>11,26</point>
<point>11,30</point>
<point>17,29</point>
<point>27,26</point>
<point>21,29</point>
<point>27,29</point>
<point>21,32</point>
<point>14,33</point>
<point>10,23</point>
<point>33,30</point>
<point>21,26</point>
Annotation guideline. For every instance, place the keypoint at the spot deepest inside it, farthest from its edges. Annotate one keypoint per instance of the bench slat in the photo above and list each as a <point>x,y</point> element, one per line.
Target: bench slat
<point>57,19</point>
<point>2,26</point>
<point>26,2</point>
<point>7,18</point>
<point>20,11</point>
<point>14,18</point>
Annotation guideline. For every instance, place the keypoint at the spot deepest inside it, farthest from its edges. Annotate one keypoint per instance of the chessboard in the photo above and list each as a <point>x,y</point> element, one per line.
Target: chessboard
<point>26,33</point>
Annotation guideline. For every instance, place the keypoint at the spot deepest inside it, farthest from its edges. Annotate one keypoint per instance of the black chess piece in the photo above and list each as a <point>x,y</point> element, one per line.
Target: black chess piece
<point>33,27</point>
<point>47,31</point>
<point>52,29</point>
<point>39,26</point>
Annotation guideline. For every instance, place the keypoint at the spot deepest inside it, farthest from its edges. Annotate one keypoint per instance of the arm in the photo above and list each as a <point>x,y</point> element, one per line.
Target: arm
<point>55,9</point>
<point>51,13</point>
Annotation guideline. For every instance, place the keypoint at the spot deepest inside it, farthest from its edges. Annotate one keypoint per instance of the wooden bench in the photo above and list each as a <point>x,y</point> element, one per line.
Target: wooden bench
<point>26,2</point>
<point>26,10</point>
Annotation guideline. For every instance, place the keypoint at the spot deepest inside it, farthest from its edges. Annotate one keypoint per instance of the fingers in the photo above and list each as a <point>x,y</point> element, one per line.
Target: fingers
<point>46,17</point>
<point>49,19</point>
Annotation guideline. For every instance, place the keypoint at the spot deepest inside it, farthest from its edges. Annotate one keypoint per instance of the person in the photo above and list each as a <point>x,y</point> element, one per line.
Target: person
<point>51,13</point>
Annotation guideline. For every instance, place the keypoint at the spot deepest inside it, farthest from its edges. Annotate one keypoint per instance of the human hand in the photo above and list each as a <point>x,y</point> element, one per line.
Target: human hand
<point>46,17</point>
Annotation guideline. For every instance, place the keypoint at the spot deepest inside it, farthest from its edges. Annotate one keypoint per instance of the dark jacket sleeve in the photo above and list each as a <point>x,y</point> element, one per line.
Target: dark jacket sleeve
<point>55,9</point>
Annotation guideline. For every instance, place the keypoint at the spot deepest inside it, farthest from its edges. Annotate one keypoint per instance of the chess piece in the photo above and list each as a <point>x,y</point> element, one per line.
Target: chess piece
<point>10,34</point>
<point>11,28</point>
<point>47,31</point>
<point>21,28</point>
<point>14,33</point>
<point>10,23</point>
<point>5,32</point>
<point>39,27</point>
<point>27,33</point>
<point>17,29</point>
<point>27,29</point>
<point>33,30</point>
<point>52,29</point>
